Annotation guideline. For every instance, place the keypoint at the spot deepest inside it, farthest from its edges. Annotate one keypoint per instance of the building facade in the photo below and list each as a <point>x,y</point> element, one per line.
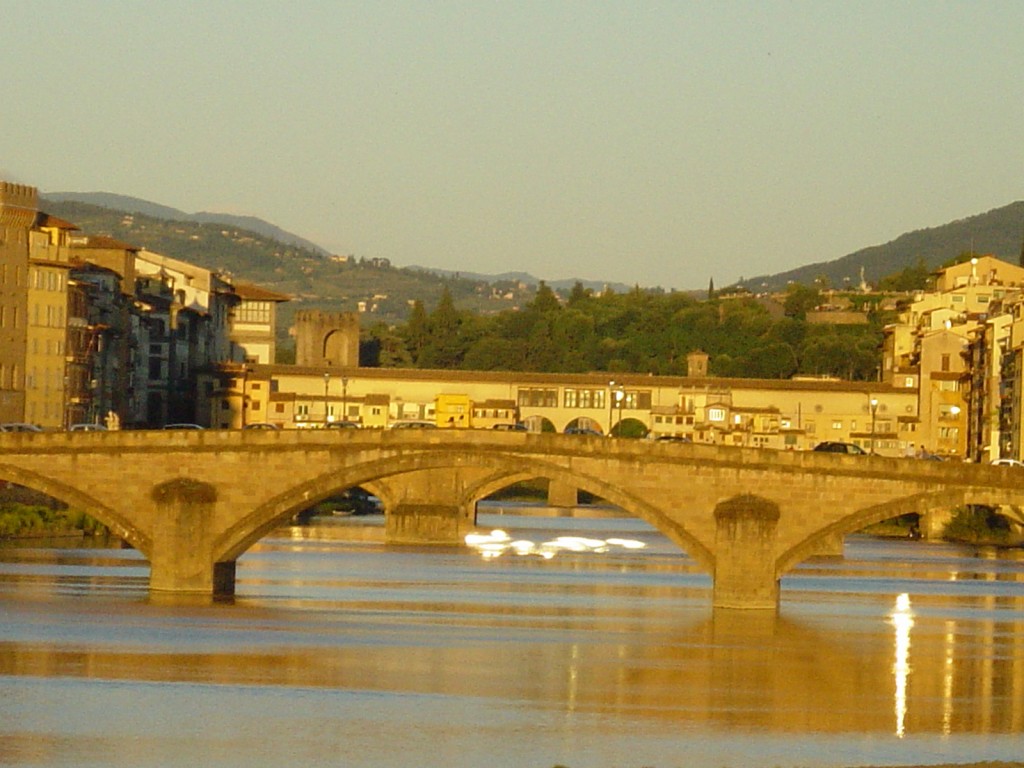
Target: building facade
<point>19,205</point>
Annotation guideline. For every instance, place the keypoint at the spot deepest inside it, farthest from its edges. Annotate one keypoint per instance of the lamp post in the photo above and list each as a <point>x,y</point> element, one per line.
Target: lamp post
<point>955,413</point>
<point>874,410</point>
<point>245,396</point>
<point>344,398</point>
<point>327,383</point>
<point>611,404</point>
<point>619,397</point>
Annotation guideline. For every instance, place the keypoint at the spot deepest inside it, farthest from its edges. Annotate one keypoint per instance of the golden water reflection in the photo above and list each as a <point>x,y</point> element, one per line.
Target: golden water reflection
<point>605,635</point>
<point>733,669</point>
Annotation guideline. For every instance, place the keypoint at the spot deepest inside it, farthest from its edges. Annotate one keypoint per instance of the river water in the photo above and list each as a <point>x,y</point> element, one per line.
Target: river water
<point>339,650</point>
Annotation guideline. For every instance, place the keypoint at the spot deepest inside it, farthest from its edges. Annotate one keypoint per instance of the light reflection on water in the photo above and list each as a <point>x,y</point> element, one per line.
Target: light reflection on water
<point>347,651</point>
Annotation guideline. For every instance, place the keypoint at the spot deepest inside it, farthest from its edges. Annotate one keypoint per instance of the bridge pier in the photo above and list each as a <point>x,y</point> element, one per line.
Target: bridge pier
<point>562,494</point>
<point>933,523</point>
<point>424,524</point>
<point>745,535</point>
<point>428,507</point>
<point>181,560</point>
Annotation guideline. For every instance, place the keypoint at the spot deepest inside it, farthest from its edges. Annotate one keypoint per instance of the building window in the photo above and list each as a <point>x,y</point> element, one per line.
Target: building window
<point>258,312</point>
<point>716,414</point>
<point>537,397</point>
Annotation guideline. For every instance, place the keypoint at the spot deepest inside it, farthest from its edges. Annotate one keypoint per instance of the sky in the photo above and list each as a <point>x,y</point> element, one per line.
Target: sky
<point>650,143</point>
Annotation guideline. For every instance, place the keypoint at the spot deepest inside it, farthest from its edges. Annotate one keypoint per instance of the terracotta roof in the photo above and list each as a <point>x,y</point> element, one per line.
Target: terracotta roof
<point>103,241</point>
<point>87,266</point>
<point>257,293</point>
<point>46,220</point>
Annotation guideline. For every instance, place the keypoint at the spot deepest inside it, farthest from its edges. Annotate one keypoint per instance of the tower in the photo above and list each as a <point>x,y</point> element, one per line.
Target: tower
<point>327,338</point>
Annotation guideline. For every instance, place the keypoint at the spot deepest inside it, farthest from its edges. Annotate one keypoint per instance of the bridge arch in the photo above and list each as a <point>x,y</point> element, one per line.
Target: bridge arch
<point>630,426</point>
<point>78,499</point>
<point>626,501</point>
<point>923,504</point>
<point>504,468</point>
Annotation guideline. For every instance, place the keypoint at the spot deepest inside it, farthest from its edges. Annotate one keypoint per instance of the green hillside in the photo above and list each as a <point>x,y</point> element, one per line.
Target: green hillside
<point>999,232</point>
<point>312,279</point>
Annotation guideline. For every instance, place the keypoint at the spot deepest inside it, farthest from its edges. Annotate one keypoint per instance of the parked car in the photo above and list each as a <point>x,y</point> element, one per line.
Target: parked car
<point>183,426</point>
<point>342,425</point>
<point>414,425</point>
<point>20,427</point>
<point>517,427</point>
<point>582,431</point>
<point>1007,463</point>
<point>672,439</point>
<point>87,427</point>
<point>832,446</point>
<point>261,425</point>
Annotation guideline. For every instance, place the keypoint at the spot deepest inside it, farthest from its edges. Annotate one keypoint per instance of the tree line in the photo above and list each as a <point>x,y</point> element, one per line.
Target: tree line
<point>637,331</point>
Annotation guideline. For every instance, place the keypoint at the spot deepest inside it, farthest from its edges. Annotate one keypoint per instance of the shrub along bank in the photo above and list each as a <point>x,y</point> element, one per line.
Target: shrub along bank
<point>977,524</point>
<point>19,520</point>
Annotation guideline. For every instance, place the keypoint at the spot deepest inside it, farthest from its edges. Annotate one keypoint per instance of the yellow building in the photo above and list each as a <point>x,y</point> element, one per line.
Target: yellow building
<point>453,411</point>
<point>19,205</point>
<point>254,322</point>
<point>46,330</point>
<point>928,350</point>
<point>782,415</point>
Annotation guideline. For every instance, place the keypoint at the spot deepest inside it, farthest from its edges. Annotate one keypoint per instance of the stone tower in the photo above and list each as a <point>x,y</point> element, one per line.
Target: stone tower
<point>327,338</point>
<point>697,365</point>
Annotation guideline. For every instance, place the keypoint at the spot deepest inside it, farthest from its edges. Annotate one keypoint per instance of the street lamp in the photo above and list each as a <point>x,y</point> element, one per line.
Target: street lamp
<point>955,413</point>
<point>611,404</point>
<point>327,383</point>
<point>874,410</point>
<point>245,396</point>
<point>344,398</point>
<point>619,397</point>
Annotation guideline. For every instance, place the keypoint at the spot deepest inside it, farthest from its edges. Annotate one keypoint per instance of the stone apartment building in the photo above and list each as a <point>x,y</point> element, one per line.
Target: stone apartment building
<point>92,328</point>
<point>19,206</point>
<point>956,346</point>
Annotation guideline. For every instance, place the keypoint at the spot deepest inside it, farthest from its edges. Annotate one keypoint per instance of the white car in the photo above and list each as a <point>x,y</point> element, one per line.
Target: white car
<point>87,427</point>
<point>1007,463</point>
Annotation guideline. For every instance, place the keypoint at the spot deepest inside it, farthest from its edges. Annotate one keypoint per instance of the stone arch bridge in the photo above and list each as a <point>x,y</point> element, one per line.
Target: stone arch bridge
<point>193,502</point>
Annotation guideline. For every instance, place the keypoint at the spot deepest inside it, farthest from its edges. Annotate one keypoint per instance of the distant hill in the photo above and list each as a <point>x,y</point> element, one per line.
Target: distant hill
<point>257,251</point>
<point>157,211</point>
<point>527,279</point>
<point>313,281</point>
<point>999,232</point>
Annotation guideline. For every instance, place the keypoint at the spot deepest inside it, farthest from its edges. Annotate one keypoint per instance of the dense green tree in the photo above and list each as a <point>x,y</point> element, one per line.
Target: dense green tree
<point>544,301</point>
<point>912,278</point>
<point>800,299</point>
<point>447,345</point>
<point>416,331</point>
<point>579,294</point>
<point>639,331</point>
